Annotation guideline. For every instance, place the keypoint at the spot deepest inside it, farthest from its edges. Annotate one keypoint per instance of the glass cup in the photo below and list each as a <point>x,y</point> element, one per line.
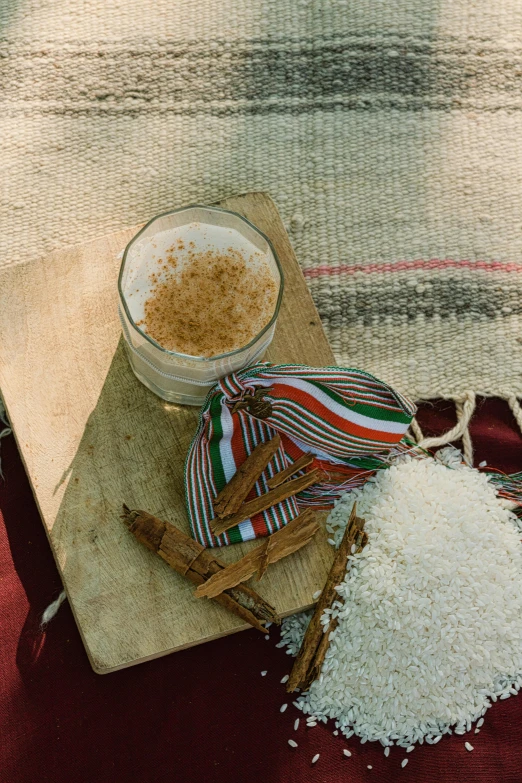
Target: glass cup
<point>177,377</point>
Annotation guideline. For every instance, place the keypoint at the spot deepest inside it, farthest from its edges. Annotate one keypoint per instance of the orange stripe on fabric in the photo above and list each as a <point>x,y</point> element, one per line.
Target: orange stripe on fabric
<point>321,411</point>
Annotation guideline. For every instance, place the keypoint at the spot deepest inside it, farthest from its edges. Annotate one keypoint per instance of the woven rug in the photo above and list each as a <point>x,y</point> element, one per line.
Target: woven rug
<point>388,133</point>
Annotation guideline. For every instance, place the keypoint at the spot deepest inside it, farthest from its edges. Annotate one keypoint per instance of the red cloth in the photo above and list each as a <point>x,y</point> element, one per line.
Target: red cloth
<point>204,715</point>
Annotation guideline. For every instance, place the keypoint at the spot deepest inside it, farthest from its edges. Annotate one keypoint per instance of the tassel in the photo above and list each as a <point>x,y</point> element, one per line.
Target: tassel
<point>465,407</point>
<point>341,478</point>
<point>508,487</point>
<point>52,609</point>
<point>416,430</point>
<point>5,431</point>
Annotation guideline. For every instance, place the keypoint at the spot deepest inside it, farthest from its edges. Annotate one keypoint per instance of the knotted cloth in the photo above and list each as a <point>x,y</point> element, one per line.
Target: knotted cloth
<point>340,415</point>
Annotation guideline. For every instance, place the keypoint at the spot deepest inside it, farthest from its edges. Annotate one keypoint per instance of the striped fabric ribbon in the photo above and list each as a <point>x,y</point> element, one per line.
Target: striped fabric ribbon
<point>342,416</point>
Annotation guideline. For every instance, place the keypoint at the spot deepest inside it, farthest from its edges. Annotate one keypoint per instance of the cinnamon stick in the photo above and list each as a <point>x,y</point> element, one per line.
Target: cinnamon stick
<point>229,500</point>
<point>303,664</point>
<point>283,475</point>
<point>261,503</point>
<point>289,539</point>
<point>264,558</point>
<point>196,563</point>
<point>317,664</point>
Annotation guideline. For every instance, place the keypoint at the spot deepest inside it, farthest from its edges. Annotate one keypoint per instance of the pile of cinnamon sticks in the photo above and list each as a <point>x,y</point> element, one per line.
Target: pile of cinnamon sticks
<point>213,578</point>
<point>230,506</point>
<point>289,539</point>
<point>192,560</point>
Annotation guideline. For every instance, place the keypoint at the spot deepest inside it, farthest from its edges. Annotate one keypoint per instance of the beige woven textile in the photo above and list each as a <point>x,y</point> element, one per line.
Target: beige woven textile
<point>388,133</point>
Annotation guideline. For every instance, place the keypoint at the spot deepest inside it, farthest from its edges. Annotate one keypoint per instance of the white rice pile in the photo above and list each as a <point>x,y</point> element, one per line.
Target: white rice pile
<point>430,632</point>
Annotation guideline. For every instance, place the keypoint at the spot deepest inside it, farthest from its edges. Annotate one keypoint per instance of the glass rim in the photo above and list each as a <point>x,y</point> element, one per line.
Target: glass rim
<point>203,359</point>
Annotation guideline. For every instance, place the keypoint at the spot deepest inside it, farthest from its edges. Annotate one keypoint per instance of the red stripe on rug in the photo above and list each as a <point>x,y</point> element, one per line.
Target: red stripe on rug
<point>407,266</point>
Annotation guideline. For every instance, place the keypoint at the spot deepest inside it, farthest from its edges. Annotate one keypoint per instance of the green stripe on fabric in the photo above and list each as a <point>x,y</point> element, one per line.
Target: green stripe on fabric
<point>384,414</point>
<point>366,463</point>
<point>217,434</point>
<point>328,437</point>
<point>377,413</point>
<point>234,535</point>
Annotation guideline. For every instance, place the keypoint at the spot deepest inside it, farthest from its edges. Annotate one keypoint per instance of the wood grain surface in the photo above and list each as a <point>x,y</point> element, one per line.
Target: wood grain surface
<point>92,437</point>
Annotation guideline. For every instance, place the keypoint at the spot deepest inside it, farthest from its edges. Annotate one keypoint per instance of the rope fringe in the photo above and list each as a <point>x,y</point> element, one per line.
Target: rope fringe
<point>416,430</point>
<point>465,407</point>
<point>5,431</point>
<point>467,445</point>
<point>52,609</point>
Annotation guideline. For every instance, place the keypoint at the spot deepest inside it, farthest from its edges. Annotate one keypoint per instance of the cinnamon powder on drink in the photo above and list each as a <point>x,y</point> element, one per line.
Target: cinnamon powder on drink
<point>210,302</point>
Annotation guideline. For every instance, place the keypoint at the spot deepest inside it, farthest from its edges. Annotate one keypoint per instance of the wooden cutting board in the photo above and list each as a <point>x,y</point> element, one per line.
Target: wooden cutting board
<point>92,437</point>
